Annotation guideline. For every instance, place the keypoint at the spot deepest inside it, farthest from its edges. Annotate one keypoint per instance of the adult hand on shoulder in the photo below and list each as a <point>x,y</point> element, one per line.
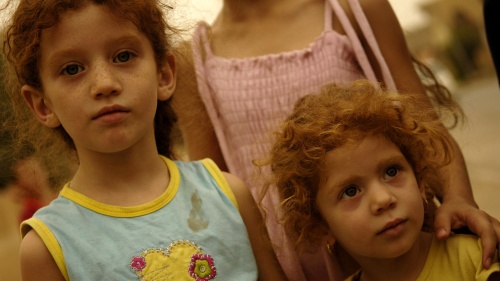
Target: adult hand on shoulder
<point>458,213</point>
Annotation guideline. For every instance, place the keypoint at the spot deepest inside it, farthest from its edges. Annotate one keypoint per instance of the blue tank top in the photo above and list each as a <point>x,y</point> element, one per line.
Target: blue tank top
<point>193,231</point>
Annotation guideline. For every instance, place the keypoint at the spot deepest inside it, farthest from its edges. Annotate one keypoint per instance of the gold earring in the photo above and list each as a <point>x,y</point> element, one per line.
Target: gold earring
<point>425,200</point>
<point>329,248</point>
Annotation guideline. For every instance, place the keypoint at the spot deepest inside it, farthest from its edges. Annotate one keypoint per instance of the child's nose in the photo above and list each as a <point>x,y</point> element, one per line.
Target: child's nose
<point>105,81</point>
<point>381,198</point>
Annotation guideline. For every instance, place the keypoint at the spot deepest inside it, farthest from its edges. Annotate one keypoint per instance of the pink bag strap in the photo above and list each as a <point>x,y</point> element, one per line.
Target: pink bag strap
<point>359,51</point>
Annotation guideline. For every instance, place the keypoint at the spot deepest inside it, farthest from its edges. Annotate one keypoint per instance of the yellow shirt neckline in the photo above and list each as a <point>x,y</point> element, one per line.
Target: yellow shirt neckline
<point>128,212</point>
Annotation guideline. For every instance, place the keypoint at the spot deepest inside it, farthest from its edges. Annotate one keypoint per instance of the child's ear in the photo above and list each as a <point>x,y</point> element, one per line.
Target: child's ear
<point>38,105</point>
<point>167,78</point>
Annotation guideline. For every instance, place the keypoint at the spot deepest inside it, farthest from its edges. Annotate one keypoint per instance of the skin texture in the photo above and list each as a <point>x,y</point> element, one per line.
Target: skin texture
<point>360,196</point>
<point>281,27</point>
<point>103,88</point>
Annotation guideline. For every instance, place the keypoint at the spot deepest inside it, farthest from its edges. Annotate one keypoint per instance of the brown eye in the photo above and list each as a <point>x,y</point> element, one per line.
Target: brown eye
<point>350,192</point>
<point>392,171</point>
<point>124,56</point>
<point>72,69</point>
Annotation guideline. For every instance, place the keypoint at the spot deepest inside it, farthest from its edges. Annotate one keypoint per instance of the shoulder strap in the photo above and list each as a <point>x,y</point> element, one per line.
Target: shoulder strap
<point>372,42</point>
<point>359,51</point>
<point>219,178</point>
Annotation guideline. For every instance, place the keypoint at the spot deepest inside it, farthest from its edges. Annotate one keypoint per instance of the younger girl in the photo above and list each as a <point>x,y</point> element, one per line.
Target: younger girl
<point>353,165</point>
<point>99,75</point>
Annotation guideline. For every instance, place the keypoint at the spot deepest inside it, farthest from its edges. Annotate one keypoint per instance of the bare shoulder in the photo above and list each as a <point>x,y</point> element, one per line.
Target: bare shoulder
<point>374,4</point>
<point>239,188</point>
<point>375,11</point>
<point>247,206</point>
<point>36,261</point>
<point>371,8</point>
<point>381,15</point>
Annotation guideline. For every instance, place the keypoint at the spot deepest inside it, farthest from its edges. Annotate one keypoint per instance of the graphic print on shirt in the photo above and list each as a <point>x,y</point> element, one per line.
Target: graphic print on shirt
<point>181,260</point>
<point>196,222</point>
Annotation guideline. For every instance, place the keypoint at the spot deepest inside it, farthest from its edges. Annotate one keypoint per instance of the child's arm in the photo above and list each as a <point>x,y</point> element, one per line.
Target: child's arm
<point>36,261</point>
<point>267,263</point>
<point>459,208</point>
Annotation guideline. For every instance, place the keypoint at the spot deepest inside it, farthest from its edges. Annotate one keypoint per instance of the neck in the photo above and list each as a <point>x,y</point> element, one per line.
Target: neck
<point>237,4</point>
<point>240,10</point>
<point>409,265</point>
<point>125,178</point>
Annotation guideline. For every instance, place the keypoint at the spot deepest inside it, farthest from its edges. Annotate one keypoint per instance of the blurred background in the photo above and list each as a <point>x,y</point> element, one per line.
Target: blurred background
<point>447,35</point>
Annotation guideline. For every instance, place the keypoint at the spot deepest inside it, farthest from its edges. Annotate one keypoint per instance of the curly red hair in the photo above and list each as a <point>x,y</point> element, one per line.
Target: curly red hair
<point>338,116</point>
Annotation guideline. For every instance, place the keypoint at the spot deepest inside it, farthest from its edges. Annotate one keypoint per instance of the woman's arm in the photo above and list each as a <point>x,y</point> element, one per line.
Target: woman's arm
<point>36,261</point>
<point>458,208</point>
<point>267,263</point>
<point>193,120</point>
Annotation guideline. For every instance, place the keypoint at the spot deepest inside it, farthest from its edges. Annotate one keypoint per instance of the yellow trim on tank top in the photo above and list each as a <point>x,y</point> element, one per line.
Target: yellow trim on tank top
<point>129,212</point>
<point>48,239</point>
<point>220,179</point>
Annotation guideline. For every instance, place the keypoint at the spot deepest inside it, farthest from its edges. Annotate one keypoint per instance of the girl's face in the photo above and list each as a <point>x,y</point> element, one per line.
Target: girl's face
<point>370,199</point>
<point>100,81</point>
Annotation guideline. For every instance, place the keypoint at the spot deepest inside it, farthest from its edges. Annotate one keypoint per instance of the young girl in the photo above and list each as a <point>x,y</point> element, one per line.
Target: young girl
<point>99,75</point>
<point>353,164</point>
<point>242,75</point>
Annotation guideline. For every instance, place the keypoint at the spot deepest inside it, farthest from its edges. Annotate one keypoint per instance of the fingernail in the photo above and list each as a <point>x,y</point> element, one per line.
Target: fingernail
<point>487,263</point>
<point>441,232</point>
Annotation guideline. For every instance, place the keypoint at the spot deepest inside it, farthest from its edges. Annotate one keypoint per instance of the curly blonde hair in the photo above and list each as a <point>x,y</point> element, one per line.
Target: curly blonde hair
<point>338,116</point>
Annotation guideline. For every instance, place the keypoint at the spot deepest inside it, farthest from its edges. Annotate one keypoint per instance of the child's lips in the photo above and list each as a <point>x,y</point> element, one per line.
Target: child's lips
<point>110,114</point>
<point>392,227</point>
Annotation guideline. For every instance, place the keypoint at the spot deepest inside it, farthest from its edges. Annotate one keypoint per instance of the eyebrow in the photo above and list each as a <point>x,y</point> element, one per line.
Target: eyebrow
<point>394,158</point>
<point>333,188</point>
<point>128,39</point>
<point>337,186</point>
<point>71,51</point>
